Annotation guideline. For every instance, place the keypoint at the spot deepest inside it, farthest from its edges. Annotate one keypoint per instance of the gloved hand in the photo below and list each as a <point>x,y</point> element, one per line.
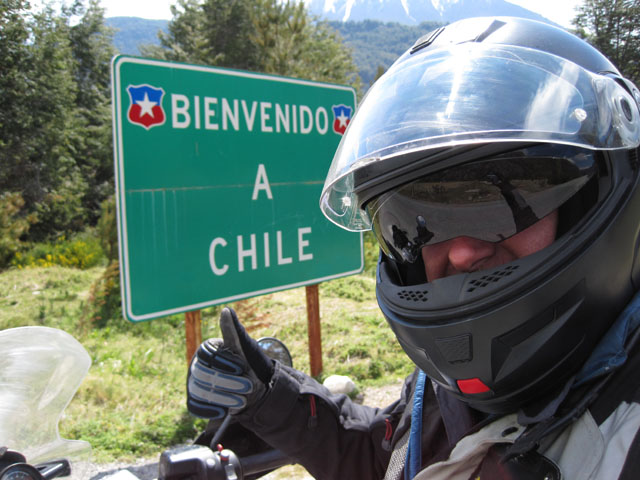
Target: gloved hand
<point>227,374</point>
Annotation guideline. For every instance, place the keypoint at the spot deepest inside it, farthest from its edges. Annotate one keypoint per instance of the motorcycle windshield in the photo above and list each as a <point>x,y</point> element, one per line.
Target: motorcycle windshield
<point>40,370</point>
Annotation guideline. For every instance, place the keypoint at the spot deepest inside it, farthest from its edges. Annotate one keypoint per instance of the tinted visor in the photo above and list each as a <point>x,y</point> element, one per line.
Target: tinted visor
<point>490,200</point>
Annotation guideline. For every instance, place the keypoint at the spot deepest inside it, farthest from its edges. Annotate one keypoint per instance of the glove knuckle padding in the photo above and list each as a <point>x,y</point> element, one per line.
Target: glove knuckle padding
<point>211,378</point>
<point>214,396</point>
<point>220,399</point>
<point>213,354</point>
<point>205,410</point>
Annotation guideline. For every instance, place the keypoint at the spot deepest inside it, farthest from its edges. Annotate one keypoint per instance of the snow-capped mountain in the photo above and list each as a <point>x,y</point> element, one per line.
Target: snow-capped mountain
<point>415,11</point>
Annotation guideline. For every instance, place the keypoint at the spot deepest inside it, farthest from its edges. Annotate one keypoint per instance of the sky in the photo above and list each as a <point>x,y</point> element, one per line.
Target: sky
<point>558,11</point>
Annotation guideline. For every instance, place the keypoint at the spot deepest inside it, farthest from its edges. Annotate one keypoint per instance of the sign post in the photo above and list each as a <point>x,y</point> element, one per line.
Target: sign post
<point>218,176</point>
<point>313,330</point>
<point>193,332</point>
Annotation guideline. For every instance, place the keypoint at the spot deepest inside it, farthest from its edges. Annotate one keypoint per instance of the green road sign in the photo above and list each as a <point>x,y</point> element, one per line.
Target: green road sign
<point>218,178</point>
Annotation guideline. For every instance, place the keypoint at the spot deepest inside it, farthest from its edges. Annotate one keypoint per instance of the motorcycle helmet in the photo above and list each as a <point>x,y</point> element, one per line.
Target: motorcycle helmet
<point>481,129</point>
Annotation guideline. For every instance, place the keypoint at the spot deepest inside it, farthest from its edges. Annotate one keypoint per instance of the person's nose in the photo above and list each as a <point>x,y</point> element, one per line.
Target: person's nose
<point>467,254</point>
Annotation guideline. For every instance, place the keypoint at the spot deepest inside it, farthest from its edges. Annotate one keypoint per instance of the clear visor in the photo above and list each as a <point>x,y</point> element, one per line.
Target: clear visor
<point>490,200</point>
<point>472,93</point>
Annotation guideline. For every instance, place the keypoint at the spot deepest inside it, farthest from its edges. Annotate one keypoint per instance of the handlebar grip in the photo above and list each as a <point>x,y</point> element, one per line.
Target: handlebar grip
<point>198,462</point>
<point>201,463</point>
<point>261,462</point>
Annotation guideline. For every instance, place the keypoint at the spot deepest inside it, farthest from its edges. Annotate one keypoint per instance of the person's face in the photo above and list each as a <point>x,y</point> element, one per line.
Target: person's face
<point>466,254</point>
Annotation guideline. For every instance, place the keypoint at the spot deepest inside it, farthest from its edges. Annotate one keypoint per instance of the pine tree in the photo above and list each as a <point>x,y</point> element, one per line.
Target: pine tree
<point>269,36</point>
<point>35,155</point>
<point>55,141</point>
<point>613,27</point>
<point>92,49</point>
<point>14,85</point>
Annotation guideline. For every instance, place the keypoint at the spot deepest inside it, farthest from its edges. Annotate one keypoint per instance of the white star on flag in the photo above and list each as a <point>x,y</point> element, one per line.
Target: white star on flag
<point>147,106</point>
<point>343,119</point>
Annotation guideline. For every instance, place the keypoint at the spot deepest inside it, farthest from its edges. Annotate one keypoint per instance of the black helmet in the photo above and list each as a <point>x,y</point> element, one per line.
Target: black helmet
<point>481,129</point>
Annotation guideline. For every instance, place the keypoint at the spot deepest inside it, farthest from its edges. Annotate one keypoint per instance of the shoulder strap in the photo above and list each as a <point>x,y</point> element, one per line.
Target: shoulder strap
<point>631,465</point>
<point>624,386</point>
<point>398,457</point>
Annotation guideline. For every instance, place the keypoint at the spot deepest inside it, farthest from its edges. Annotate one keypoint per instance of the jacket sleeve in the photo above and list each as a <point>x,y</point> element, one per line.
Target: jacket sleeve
<point>328,434</point>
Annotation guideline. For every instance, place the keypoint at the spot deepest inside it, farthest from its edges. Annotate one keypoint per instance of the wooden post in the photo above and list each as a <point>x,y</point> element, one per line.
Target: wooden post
<point>313,321</point>
<point>193,331</point>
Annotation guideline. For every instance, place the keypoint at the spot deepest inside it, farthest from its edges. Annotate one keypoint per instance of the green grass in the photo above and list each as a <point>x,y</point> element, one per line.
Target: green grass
<point>132,402</point>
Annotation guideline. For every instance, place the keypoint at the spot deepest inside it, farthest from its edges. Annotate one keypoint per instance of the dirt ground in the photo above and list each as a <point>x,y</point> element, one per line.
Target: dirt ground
<point>382,396</point>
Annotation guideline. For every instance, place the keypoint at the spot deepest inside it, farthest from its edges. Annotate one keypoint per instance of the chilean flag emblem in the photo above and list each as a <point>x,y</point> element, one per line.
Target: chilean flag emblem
<point>341,118</point>
<point>146,106</point>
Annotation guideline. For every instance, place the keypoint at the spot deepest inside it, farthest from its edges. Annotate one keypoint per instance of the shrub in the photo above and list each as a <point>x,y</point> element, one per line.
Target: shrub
<point>104,298</point>
<point>12,226</point>
<point>107,229</point>
<point>83,251</point>
<point>60,209</point>
<point>359,288</point>
<point>371,252</point>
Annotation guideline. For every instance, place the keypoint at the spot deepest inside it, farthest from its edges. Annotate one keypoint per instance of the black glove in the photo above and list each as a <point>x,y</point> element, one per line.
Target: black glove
<point>228,374</point>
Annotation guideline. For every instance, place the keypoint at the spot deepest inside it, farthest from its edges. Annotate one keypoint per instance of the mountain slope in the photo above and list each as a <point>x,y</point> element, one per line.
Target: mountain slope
<point>413,12</point>
<point>376,44</point>
<point>131,32</point>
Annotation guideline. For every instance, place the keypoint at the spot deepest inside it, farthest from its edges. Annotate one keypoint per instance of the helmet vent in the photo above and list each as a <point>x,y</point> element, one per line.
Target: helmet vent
<point>456,349</point>
<point>491,278</point>
<point>413,295</point>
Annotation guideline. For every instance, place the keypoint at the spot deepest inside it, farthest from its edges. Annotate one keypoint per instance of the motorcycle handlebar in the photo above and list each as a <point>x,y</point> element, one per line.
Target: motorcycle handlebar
<point>262,462</point>
<point>201,463</point>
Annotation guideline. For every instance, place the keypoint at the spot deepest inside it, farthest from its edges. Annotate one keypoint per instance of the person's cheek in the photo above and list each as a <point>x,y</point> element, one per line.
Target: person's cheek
<point>535,238</point>
<point>435,260</point>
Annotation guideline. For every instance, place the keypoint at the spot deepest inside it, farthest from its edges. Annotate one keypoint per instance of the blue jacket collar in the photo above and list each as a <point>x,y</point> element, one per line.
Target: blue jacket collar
<point>610,353</point>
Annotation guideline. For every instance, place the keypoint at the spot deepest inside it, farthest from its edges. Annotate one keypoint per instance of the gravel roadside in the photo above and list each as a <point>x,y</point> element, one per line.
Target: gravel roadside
<point>147,468</point>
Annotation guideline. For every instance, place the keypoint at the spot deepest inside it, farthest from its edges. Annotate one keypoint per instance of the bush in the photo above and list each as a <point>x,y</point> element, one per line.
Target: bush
<point>60,210</point>
<point>83,251</point>
<point>12,226</point>
<point>104,299</point>
<point>359,288</point>
<point>107,229</point>
<point>371,253</point>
